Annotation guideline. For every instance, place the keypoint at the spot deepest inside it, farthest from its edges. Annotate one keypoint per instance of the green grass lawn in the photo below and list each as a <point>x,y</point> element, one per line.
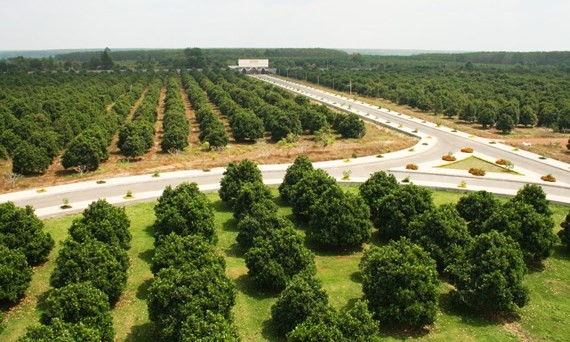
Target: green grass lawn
<point>476,163</point>
<point>543,319</point>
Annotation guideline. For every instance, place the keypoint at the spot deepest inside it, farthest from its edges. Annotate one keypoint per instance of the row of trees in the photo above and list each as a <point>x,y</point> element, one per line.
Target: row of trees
<point>137,136</point>
<point>89,276</point>
<point>504,98</point>
<point>175,123</point>
<point>190,297</point>
<point>212,131</point>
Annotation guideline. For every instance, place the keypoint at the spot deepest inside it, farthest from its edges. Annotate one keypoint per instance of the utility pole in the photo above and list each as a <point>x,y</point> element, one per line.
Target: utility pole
<point>318,79</point>
<point>350,85</point>
<point>333,83</point>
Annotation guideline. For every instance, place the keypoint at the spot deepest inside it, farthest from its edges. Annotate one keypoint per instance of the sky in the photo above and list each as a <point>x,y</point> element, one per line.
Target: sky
<point>451,25</point>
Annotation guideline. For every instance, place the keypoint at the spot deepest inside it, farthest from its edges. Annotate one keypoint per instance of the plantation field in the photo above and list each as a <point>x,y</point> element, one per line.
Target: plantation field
<point>542,319</point>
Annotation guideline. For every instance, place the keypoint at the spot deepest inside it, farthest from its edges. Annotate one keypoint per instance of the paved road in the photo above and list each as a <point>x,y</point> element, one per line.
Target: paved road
<point>434,142</point>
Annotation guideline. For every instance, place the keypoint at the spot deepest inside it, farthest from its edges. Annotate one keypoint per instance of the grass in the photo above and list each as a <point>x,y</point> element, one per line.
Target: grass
<point>477,163</point>
<point>542,319</point>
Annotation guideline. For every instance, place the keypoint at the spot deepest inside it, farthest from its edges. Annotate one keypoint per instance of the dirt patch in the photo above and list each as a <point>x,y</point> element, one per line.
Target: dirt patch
<point>191,115</point>
<point>516,329</point>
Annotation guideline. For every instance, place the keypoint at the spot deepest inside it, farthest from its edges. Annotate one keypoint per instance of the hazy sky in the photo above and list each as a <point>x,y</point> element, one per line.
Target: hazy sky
<point>518,25</point>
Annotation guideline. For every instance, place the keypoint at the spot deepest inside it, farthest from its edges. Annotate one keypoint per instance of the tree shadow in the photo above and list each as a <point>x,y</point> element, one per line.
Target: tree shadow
<point>142,290</point>
<point>245,285</point>
<point>450,306</point>
<point>402,333</point>
<point>230,225</point>
<point>147,255</point>
<point>41,304</point>
<point>356,277</point>
<point>149,230</point>
<point>377,239</point>
<point>144,332</point>
<point>234,251</point>
<point>268,332</point>
<point>561,253</point>
<point>221,207</point>
<point>328,251</point>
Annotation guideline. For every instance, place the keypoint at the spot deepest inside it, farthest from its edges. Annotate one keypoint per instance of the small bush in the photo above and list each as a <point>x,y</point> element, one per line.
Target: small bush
<point>101,181</point>
<point>477,172</point>
<point>449,157</point>
<point>406,180</point>
<point>467,150</point>
<point>463,185</point>
<point>411,167</point>
<point>548,178</point>
<point>502,162</point>
<point>156,174</point>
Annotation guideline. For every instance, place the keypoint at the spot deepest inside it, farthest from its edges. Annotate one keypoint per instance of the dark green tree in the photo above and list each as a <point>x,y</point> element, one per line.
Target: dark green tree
<point>235,176</point>
<point>303,297</point>
<point>378,186</point>
<point>133,147</point>
<point>490,276</point>
<point>442,233</point>
<point>339,220</point>
<point>15,274</point>
<point>185,211</point>
<point>208,327</point>
<point>21,228</point>
<point>476,207</point>
<point>534,195</point>
<point>528,116</point>
<point>505,123</point>
<point>294,173</point>
<point>217,138</point>
<point>249,194</point>
<point>351,126</point>
<point>285,124</point>
<point>261,221</point>
<point>83,153</point>
<point>106,60</point>
<point>276,258</point>
<point>486,116</point>
<point>246,126</point>
<point>308,190</point>
<point>564,234</point>
<point>62,332</point>
<point>29,159</point>
<point>400,282</point>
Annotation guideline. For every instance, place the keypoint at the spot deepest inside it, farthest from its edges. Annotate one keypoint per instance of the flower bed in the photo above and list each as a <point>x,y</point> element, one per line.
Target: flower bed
<point>502,162</point>
<point>477,172</point>
<point>411,167</point>
<point>449,158</point>
<point>467,150</point>
<point>548,178</point>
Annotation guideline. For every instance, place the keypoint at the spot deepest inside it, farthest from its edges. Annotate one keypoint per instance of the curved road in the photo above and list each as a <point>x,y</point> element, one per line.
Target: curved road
<point>434,142</point>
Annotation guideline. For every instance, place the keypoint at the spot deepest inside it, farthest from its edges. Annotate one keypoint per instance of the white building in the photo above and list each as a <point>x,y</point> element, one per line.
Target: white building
<point>253,66</point>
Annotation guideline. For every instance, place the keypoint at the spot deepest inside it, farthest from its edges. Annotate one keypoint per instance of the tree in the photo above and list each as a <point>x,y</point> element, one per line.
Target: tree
<point>490,276</point>
<point>533,231</point>
<point>133,147</point>
<point>375,188</point>
<point>80,303</point>
<point>293,175</point>
<point>185,211</point>
<point>175,139</point>
<point>442,233</point>
<point>285,124</point>
<point>103,222</point>
<point>62,332</point>
<point>249,194</point>
<point>217,137</point>
<point>303,297</point>
<point>274,259</point>
<point>15,274</point>
<point>21,228</point>
<point>106,60</point>
<point>103,265</point>
<point>308,190</point>
<point>528,116</point>
<point>259,222</point>
<point>83,152</point>
<point>177,251</point>
<point>245,125</point>
<point>400,282</point>
<point>339,219</point>
<point>476,207</point>
<point>534,195</point>
<point>399,208</point>
<point>235,176</point>
<point>486,115</point>
<point>177,293</point>
<point>352,126</point>
<point>29,159</point>
<point>564,234</point>
<point>505,123</point>
<point>208,327</point>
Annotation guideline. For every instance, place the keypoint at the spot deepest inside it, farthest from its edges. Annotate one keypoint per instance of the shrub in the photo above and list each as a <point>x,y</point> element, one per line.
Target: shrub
<point>502,162</point>
<point>235,176</point>
<point>467,150</point>
<point>548,178</point>
<point>411,167</point>
<point>15,274</point>
<point>449,157</point>
<point>477,172</point>
<point>308,190</point>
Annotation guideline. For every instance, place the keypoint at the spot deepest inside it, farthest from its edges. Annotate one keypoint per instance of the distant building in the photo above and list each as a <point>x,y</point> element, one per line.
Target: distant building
<point>253,66</point>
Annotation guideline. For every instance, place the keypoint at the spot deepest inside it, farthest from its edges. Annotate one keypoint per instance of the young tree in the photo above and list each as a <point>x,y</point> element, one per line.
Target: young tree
<point>21,228</point>
<point>308,190</point>
<point>29,159</point>
<point>378,186</point>
<point>15,274</point>
<point>351,126</point>
<point>80,303</point>
<point>303,297</point>
<point>534,195</point>
<point>564,234</point>
<point>276,258</point>
<point>294,173</point>
<point>340,220</point>
<point>235,176</point>
<point>103,222</point>
<point>490,276</point>
<point>400,283</point>
<point>399,208</point>
<point>103,265</point>
<point>476,207</point>
<point>185,211</point>
<point>442,233</point>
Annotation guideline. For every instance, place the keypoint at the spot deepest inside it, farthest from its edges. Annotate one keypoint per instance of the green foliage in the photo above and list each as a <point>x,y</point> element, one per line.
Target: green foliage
<point>505,123</point>
<point>476,207</point>
<point>103,265</point>
<point>103,222</point>
<point>15,275</point>
<point>304,296</point>
<point>248,195</point>
<point>400,282</point>
<point>285,124</point>
<point>308,190</point>
<point>62,332</point>
<point>564,234</point>
<point>294,173</point>
<point>21,228</point>
<point>177,251</point>
<point>29,159</point>
<point>246,126</point>
<point>185,211</point>
<point>178,293</point>
<point>235,177</point>
<point>80,303</point>
<point>534,195</point>
<point>442,233</point>
<point>261,221</point>
<point>209,327</point>
<point>375,188</point>
<point>276,258</point>
<point>106,60</point>
<point>490,276</point>
<point>351,126</point>
<point>340,220</point>
<point>83,152</point>
<point>400,207</point>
